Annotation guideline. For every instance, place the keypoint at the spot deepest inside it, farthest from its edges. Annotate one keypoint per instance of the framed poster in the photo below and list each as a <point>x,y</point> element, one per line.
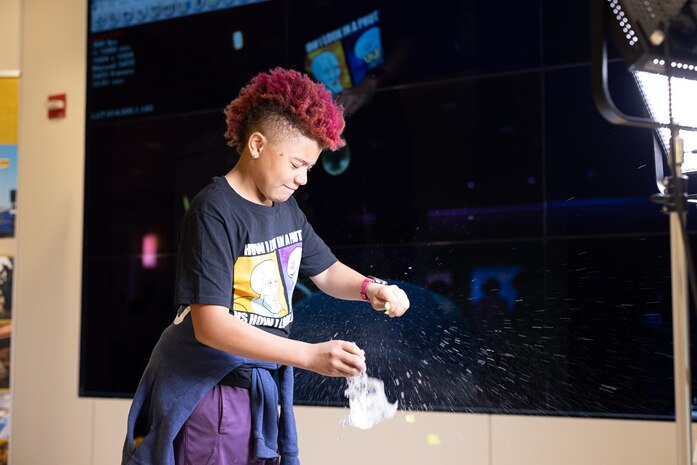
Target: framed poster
<point>9,101</point>
<point>9,111</point>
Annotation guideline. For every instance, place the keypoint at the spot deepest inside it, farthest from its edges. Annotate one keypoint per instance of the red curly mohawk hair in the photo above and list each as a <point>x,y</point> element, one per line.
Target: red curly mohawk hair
<point>285,99</point>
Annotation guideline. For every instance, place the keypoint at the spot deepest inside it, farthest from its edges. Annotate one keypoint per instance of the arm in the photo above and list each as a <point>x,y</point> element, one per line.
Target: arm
<point>343,282</point>
<point>214,326</point>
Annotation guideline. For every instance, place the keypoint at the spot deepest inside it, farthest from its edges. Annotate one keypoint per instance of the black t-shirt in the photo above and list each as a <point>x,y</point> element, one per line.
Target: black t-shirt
<point>246,256</point>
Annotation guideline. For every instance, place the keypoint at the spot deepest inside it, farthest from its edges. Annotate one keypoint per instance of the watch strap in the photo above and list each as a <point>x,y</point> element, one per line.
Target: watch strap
<point>366,282</point>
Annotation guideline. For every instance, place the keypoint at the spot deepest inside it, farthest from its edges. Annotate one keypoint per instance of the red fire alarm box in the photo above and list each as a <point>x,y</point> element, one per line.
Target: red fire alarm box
<point>56,106</point>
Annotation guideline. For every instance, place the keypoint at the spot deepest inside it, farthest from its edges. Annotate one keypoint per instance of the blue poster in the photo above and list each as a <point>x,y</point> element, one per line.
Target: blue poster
<point>8,189</point>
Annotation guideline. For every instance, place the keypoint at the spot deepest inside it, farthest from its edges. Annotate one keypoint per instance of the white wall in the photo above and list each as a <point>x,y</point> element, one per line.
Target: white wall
<point>52,425</point>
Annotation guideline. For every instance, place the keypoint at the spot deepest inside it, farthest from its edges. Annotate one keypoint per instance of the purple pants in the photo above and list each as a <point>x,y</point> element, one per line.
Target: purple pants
<point>218,432</point>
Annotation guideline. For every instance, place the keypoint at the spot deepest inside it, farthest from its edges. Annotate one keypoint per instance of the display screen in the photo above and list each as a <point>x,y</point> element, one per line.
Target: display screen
<point>477,175</point>
<point>107,15</point>
<point>343,57</point>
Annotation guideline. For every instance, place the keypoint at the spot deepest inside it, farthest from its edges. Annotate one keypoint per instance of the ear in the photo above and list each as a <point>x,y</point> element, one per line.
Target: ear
<point>256,144</point>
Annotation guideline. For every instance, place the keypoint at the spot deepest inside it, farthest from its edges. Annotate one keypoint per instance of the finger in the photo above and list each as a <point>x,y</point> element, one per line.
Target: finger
<point>386,298</point>
<point>393,307</point>
<point>352,348</point>
<point>355,358</point>
<point>403,299</point>
<point>352,366</point>
<point>361,366</point>
<point>398,304</point>
<point>360,354</point>
<point>399,309</point>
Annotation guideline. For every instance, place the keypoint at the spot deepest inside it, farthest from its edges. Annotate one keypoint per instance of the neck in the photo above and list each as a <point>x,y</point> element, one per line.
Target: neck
<point>239,178</point>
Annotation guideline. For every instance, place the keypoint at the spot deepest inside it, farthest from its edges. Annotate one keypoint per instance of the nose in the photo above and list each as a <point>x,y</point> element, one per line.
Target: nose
<point>301,178</point>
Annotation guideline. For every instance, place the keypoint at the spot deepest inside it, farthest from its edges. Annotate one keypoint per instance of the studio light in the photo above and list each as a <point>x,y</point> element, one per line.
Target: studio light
<point>654,90</point>
<point>642,28</point>
<point>657,39</point>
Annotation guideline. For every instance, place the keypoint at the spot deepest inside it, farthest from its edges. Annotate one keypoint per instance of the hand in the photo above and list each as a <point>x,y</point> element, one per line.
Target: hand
<point>336,358</point>
<point>390,299</point>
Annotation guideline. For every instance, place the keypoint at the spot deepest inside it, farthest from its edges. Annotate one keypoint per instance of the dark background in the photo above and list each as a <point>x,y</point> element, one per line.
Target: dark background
<point>481,178</point>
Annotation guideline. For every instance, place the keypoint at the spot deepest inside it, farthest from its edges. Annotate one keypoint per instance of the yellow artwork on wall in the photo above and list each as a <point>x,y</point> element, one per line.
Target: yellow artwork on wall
<point>9,110</point>
<point>9,114</point>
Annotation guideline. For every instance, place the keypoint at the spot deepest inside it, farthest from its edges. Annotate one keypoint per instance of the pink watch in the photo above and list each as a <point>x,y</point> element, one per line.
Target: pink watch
<point>366,282</point>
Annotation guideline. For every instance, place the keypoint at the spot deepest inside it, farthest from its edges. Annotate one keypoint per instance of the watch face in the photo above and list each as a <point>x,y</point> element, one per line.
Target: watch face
<point>378,280</point>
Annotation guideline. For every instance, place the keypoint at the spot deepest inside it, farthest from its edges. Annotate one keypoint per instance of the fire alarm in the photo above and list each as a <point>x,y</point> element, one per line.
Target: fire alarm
<point>56,106</point>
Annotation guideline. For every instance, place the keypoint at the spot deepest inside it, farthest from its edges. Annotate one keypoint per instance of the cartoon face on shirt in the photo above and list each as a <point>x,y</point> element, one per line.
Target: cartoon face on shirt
<point>264,281</point>
<point>294,264</point>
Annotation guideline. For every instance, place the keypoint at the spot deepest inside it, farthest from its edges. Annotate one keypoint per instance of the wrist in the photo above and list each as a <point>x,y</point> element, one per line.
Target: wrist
<point>372,290</point>
<point>304,356</point>
<point>371,283</point>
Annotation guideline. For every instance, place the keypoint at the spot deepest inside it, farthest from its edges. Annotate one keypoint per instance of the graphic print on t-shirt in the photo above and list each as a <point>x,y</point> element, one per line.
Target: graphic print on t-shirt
<point>258,287</point>
<point>264,279</point>
<point>290,259</point>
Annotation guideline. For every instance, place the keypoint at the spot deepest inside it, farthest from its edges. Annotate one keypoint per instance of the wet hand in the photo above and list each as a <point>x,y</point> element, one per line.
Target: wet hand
<point>336,358</point>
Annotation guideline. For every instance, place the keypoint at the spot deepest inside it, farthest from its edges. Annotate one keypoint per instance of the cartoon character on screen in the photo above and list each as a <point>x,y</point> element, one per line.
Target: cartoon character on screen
<point>264,281</point>
<point>327,69</point>
<point>369,48</point>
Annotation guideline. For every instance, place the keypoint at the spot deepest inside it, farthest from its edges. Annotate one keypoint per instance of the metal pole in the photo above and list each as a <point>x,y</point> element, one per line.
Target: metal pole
<point>681,342</point>
<point>681,322</point>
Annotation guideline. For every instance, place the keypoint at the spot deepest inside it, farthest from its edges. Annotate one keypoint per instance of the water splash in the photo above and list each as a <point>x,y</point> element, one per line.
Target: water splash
<point>367,401</point>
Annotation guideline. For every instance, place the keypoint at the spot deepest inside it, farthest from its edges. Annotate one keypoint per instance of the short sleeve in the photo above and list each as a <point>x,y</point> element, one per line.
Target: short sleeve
<point>205,261</point>
<point>317,256</point>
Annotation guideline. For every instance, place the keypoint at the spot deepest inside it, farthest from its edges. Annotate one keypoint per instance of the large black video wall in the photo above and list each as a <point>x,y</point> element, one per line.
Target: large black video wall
<point>477,174</point>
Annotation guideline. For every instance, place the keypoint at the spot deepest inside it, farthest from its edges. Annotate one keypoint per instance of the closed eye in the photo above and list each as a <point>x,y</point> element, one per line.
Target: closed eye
<point>309,168</point>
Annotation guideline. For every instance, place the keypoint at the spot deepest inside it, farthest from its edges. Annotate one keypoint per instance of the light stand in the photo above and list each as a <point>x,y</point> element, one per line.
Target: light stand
<point>675,205</point>
<point>674,201</point>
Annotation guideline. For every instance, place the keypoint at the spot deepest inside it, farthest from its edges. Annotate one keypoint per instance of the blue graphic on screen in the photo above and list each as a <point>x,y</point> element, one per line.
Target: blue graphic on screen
<point>367,53</point>
<point>342,58</point>
<point>327,69</point>
<point>503,276</point>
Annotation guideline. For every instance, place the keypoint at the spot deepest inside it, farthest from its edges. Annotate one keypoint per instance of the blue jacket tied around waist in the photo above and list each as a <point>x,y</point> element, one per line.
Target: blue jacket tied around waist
<point>180,371</point>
